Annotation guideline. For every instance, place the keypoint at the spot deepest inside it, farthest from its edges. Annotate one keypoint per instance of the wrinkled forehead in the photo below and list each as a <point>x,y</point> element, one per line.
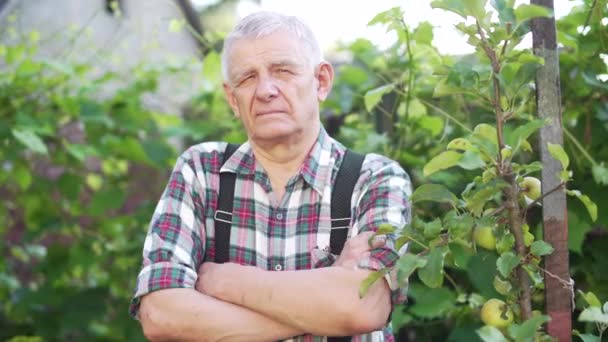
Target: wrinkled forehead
<point>271,49</point>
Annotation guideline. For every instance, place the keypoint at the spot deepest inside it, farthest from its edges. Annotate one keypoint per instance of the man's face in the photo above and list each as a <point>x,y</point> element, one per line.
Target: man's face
<point>274,88</point>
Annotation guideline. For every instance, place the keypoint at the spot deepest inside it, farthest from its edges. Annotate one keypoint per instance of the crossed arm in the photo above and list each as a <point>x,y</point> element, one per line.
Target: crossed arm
<point>237,302</point>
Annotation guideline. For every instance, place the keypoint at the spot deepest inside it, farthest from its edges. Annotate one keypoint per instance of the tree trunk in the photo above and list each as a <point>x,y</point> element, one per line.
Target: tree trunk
<point>548,100</point>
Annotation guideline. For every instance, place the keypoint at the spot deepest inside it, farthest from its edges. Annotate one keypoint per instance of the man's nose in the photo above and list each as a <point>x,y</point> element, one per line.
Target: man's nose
<point>267,88</point>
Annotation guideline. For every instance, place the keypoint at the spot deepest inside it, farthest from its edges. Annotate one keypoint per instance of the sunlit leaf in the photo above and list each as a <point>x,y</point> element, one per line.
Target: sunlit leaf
<point>369,281</point>
<point>557,152</point>
<point>30,140</point>
<point>373,97</point>
<point>455,6</point>
<point>589,204</point>
<point>440,162</point>
<point>593,314</point>
<point>490,334</point>
<point>526,12</point>
<point>591,299</point>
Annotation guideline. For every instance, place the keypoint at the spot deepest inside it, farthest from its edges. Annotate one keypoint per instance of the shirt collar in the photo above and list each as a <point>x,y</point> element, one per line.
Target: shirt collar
<point>318,166</point>
<point>241,161</point>
<point>316,169</point>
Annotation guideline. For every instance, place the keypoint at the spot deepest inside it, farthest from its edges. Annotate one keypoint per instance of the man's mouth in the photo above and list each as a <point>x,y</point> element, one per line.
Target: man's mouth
<point>269,112</point>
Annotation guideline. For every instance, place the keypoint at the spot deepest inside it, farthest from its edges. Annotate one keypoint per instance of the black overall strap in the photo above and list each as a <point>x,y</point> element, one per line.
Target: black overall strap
<point>340,208</point>
<point>223,214</point>
<point>341,199</point>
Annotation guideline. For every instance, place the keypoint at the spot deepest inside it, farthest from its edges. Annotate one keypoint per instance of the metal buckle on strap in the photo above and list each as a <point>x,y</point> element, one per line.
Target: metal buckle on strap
<point>340,223</point>
<point>227,217</point>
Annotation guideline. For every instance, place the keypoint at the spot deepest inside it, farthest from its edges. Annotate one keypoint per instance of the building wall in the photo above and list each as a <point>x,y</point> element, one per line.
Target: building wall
<point>86,31</point>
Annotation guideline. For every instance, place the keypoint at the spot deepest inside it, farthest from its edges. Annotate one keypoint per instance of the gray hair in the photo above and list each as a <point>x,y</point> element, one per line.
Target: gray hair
<point>262,24</point>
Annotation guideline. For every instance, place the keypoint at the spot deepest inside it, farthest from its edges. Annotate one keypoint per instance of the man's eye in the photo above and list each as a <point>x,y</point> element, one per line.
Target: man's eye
<point>282,70</point>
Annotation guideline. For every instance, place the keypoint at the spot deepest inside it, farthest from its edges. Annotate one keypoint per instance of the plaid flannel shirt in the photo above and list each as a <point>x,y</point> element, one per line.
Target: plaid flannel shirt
<point>291,236</point>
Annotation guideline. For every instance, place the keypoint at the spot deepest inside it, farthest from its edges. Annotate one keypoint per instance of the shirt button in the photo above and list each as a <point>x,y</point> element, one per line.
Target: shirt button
<point>279,216</point>
<point>278,267</point>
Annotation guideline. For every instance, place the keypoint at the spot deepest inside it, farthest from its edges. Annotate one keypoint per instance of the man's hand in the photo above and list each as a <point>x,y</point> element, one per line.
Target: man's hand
<point>217,279</point>
<point>358,248</point>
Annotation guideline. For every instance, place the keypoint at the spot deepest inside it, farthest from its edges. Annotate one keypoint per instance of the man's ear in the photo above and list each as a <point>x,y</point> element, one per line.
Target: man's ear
<point>231,99</point>
<point>325,80</point>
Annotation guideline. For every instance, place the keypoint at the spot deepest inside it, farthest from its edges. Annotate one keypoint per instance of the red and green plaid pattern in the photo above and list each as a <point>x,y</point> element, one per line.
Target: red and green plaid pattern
<point>291,235</point>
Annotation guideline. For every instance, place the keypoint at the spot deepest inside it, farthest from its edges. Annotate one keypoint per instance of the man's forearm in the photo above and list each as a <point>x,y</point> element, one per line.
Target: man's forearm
<point>321,301</point>
<point>187,315</point>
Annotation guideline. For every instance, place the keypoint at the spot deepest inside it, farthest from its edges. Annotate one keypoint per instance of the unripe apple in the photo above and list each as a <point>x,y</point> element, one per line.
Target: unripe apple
<point>530,187</point>
<point>496,313</point>
<point>485,238</point>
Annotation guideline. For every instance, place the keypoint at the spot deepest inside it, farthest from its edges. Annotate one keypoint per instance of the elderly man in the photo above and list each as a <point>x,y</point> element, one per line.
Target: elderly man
<point>276,274</point>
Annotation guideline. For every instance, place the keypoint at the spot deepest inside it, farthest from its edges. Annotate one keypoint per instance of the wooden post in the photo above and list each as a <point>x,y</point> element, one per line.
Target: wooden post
<point>555,219</point>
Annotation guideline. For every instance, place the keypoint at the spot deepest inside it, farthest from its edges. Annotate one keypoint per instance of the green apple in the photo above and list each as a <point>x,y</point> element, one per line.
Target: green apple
<point>530,187</point>
<point>496,313</point>
<point>485,238</point>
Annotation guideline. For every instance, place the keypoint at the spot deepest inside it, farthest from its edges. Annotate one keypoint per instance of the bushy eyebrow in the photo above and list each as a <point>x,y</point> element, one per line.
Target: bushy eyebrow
<point>286,63</point>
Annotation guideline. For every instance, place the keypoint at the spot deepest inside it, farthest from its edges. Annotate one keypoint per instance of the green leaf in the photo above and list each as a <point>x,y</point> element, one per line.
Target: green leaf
<point>423,34</point>
<point>557,151</point>
<point>387,17</point>
<point>431,303</point>
<point>526,12</point>
<point>541,248</point>
<point>432,273</point>
<point>505,243</point>
<point>527,330</point>
<point>30,140</point>
<point>432,229</point>
<point>373,97</point>
<point>505,10</point>
<point>591,299</point>
<point>22,176</point>
<point>522,133</point>
<point>476,8</point>
<point>600,174</point>
<point>455,6</point>
<point>433,193</point>
<point>385,228</point>
<point>587,337</point>
<point>369,281</point>
<point>490,334</point>
<point>593,314</point>
<point>78,151</point>
<point>460,144</point>
<point>461,254</point>
<point>471,161</point>
<point>443,161</point>
<point>486,132</point>
<point>589,204</point>
<point>409,263</point>
<point>506,263</point>
<point>432,123</point>
<point>503,287</point>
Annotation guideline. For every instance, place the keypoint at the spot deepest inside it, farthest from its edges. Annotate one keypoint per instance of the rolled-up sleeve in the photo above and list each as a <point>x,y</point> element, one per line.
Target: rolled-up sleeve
<point>384,198</point>
<point>174,245</point>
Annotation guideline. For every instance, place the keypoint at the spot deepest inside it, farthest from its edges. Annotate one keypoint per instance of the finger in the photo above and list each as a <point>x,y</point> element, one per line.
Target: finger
<point>377,241</point>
